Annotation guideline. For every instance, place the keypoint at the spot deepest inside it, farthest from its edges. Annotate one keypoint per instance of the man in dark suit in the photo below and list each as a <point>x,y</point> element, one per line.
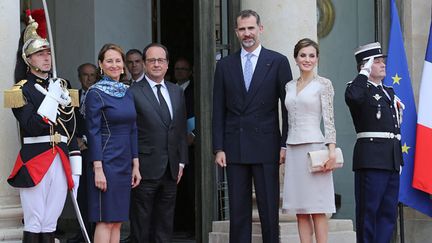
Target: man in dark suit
<point>376,113</point>
<point>161,121</point>
<point>185,204</point>
<point>246,136</point>
<point>87,77</point>
<point>135,65</point>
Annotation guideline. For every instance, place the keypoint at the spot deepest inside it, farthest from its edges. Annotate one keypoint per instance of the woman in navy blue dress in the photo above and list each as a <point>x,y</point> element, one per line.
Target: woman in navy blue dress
<point>112,138</point>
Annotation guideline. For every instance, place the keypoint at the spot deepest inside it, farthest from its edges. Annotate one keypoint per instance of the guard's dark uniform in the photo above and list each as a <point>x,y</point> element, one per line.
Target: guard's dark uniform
<point>377,159</point>
<point>49,153</point>
<point>35,159</point>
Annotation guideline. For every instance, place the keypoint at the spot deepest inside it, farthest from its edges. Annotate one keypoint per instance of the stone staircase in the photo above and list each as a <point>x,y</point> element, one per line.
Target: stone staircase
<point>10,224</point>
<point>340,231</point>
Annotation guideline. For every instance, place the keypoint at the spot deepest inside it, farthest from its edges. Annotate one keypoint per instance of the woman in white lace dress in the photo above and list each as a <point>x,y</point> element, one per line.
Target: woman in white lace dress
<point>309,100</point>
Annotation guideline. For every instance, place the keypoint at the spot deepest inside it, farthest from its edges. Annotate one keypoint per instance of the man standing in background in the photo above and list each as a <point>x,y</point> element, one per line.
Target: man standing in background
<point>185,204</point>
<point>87,77</point>
<point>135,65</point>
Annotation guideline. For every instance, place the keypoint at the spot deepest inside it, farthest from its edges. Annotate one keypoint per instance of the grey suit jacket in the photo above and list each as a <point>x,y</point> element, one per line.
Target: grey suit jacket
<point>159,144</point>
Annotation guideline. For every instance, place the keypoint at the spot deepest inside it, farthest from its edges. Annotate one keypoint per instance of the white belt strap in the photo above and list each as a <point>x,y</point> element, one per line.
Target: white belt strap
<point>389,135</point>
<point>43,139</point>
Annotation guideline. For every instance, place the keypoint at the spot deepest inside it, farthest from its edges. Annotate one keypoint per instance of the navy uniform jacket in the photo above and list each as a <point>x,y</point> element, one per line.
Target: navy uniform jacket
<point>364,100</point>
<point>34,160</point>
<point>246,123</point>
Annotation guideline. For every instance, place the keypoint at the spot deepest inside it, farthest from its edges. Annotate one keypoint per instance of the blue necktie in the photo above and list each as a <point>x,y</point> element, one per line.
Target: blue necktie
<point>248,71</point>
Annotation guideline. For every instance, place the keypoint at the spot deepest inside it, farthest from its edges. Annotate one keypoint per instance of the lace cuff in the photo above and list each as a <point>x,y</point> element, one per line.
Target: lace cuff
<point>327,95</point>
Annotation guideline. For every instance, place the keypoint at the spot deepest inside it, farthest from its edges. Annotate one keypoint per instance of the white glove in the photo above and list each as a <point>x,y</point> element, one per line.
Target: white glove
<point>65,97</point>
<point>49,105</point>
<point>76,179</point>
<point>58,92</point>
<point>53,97</point>
<point>367,67</point>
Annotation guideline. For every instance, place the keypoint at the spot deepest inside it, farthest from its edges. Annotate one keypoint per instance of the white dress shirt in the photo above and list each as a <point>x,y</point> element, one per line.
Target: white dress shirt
<point>164,91</point>
<point>254,58</point>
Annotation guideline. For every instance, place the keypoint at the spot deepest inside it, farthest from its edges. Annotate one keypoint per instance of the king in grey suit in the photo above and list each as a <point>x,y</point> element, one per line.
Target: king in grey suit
<point>161,121</point>
<point>246,135</point>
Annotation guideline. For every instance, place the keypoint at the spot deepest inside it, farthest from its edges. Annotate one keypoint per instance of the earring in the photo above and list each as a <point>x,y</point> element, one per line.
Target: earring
<point>122,71</point>
<point>101,71</point>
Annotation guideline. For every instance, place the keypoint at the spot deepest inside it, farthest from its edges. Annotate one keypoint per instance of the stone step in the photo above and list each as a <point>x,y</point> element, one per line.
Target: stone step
<point>340,231</point>
<point>11,234</point>
<point>286,227</point>
<point>14,235</point>
<point>10,217</point>
<point>20,241</point>
<point>334,237</point>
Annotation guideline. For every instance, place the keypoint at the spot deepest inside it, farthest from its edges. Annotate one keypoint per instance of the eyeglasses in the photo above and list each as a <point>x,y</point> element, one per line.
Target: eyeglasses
<point>154,60</point>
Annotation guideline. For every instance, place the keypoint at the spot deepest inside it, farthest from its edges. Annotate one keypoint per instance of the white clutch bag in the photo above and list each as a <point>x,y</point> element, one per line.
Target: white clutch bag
<point>318,158</point>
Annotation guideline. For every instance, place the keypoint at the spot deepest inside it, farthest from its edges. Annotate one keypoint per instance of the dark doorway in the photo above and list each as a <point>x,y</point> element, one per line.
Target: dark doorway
<point>177,33</point>
<point>177,30</point>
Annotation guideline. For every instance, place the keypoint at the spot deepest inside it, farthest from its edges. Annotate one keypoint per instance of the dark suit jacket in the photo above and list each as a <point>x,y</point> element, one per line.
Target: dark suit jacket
<point>189,98</point>
<point>80,121</point>
<point>373,153</point>
<point>246,123</point>
<point>159,144</point>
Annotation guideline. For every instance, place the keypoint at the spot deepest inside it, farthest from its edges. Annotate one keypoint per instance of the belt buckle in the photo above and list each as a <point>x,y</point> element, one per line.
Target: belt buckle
<point>56,138</point>
<point>392,135</point>
<point>398,137</point>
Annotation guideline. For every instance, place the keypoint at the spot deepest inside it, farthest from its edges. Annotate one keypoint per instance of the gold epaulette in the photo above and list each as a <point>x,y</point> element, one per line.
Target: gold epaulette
<point>13,97</point>
<point>74,97</point>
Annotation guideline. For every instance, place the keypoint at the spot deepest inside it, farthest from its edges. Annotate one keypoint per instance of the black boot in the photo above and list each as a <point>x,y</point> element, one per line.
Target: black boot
<point>30,237</point>
<point>47,237</point>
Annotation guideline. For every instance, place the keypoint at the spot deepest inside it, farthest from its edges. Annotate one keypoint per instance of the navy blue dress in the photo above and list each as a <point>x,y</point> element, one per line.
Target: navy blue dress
<point>112,139</point>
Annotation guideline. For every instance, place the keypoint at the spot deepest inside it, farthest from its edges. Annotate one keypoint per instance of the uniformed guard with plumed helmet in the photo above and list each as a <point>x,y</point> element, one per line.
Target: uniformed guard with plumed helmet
<point>49,162</point>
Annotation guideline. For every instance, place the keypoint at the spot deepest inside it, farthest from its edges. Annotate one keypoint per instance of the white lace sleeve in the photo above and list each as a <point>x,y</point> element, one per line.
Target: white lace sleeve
<point>327,95</point>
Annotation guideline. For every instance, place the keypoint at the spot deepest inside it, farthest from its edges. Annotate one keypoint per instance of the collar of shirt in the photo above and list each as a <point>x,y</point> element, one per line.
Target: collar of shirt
<point>255,53</point>
<point>164,92</point>
<point>184,85</point>
<point>139,79</point>
<point>153,83</point>
<point>375,84</point>
<point>380,84</point>
<point>254,58</point>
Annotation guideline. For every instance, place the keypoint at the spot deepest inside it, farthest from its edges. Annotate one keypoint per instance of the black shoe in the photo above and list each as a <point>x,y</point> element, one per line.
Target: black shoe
<point>30,237</point>
<point>77,238</point>
<point>127,239</point>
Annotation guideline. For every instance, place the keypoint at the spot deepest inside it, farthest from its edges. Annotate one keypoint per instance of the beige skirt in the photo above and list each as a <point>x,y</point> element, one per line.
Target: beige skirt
<point>305,192</point>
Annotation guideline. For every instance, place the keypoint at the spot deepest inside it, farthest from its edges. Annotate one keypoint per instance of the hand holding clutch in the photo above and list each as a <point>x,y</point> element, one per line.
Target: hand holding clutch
<point>318,158</point>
